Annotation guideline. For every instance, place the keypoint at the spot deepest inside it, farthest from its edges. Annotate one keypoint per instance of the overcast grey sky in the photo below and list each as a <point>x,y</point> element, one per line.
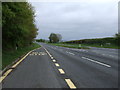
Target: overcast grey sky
<point>77,20</point>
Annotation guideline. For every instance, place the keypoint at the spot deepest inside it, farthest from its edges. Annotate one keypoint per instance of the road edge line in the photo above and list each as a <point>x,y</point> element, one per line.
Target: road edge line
<point>10,68</point>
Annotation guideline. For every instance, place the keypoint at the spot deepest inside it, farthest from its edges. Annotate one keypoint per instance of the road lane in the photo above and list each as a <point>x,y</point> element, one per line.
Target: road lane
<point>92,55</point>
<point>60,67</point>
<point>36,71</point>
<point>86,74</point>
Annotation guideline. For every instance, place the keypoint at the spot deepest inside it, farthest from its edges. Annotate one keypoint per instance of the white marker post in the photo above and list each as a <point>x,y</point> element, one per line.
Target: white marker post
<point>80,45</point>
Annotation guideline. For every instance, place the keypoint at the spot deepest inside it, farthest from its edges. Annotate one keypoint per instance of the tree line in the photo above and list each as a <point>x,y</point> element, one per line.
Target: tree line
<point>113,40</point>
<point>40,40</point>
<point>18,28</point>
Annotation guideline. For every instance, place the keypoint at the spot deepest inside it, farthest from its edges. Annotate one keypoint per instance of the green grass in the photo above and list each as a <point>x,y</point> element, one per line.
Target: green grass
<point>69,45</point>
<point>9,56</point>
<point>85,46</point>
<point>113,46</point>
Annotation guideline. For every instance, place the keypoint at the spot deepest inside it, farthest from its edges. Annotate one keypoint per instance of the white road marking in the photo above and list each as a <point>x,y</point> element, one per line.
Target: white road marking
<point>47,52</point>
<point>70,53</point>
<point>54,60</point>
<point>51,57</point>
<point>96,62</point>
<point>61,71</point>
<point>111,56</point>
<point>70,84</point>
<point>38,53</point>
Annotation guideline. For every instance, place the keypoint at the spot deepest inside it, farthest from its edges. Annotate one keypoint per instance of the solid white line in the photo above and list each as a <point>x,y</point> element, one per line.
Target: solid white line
<point>96,62</point>
<point>47,52</point>
<point>70,84</point>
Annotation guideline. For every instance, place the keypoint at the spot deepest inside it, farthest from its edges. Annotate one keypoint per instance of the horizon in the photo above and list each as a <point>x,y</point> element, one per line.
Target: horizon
<point>77,20</point>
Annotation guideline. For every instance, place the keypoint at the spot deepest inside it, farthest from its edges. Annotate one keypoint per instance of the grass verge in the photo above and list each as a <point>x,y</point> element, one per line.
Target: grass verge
<point>103,46</point>
<point>10,56</point>
<point>69,45</point>
<point>86,46</point>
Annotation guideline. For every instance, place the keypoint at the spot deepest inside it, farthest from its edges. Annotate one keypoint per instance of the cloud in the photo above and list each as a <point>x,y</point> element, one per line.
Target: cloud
<point>77,20</point>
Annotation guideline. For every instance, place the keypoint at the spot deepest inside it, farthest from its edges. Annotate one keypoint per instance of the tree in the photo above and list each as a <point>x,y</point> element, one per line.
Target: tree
<point>54,38</point>
<point>59,37</point>
<point>18,26</point>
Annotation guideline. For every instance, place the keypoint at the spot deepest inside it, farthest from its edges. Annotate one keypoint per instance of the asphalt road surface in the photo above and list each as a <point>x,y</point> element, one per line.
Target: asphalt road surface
<point>60,67</point>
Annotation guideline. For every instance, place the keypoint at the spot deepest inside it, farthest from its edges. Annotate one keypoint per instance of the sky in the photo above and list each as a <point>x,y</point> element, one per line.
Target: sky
<point>76,20</point>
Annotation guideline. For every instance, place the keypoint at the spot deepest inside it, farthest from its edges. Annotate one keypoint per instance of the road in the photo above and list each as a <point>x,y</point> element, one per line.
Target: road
<point>60,67</point>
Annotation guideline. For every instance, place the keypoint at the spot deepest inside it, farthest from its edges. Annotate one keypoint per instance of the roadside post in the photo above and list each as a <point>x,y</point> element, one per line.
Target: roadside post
<point>80,45</point>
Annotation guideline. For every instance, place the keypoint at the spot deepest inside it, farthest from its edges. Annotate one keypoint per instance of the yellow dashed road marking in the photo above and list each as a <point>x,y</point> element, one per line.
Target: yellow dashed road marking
<point>70,84</point>
<point>57,64</point>
<point>61,71</point>
<point>68,81</point>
